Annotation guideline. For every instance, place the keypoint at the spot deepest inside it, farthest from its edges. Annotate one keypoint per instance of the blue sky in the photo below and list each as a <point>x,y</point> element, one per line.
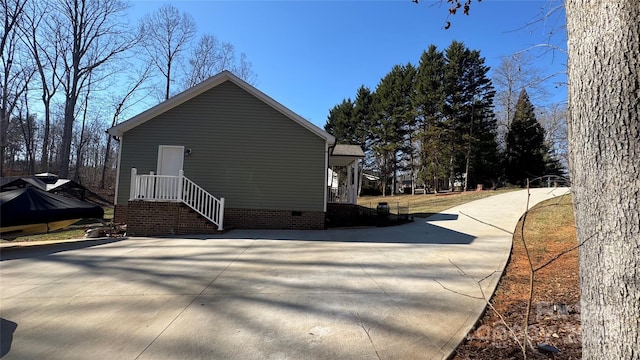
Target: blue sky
<point>309,55</point>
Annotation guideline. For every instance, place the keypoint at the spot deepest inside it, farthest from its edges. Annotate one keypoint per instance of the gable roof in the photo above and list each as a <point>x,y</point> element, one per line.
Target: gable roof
<point>343,155</point>
<point>209,84</point>
<point>347,150</point>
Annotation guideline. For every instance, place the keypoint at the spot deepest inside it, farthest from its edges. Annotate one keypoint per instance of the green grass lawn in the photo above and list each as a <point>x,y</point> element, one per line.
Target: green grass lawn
<point>74,231</point>
<point>71,232</point>
<point>429,204</point>
<point>108,213</point>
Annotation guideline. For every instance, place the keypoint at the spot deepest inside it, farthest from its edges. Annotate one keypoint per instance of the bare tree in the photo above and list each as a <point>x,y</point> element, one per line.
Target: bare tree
<point>92,150</point>
<point>14,74</point>
<point>96,36</point>
<point>244,70</point>
<point>554,121</point>
<point>121,105</point>
<point>514,74</point>
<point>204,60</point>
<point>27,123</point>
<point>44,44</point>
<point>82,139</point>
<point>55,132</point>
<point>166,35</point>
<point>210,56</point>
<point>226,57</point>
<point>14,146</point>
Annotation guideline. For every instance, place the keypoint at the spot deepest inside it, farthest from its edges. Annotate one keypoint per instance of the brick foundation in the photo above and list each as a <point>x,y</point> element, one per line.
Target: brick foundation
<point>120,214</point>
<point>149,218</point>
<point>273,219</point>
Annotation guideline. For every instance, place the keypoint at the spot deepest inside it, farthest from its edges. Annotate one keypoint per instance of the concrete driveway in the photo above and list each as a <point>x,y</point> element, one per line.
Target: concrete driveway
<point>405,292</point>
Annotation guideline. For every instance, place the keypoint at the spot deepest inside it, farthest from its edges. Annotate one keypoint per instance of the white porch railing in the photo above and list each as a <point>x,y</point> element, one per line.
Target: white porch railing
<point>177,188</point>
<point>338,194</point>
<point>342,195</point>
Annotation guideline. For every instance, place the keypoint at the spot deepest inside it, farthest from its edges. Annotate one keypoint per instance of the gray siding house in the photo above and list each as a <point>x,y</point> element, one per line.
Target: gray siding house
<point>233,142</point>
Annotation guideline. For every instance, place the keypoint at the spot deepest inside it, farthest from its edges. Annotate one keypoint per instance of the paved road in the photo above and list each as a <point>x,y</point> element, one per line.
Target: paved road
<point>383,293</point>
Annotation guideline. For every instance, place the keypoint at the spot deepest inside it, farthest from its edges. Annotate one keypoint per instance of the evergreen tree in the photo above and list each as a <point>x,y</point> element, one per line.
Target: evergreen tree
<point>553,166</point>
<point>427,101</point>
<point>341,122</point>
<point>526,150</point>
<point>363,114</point>
<point>394,117</point>
<point>350,121</point>
<point>435,121</point>
<point>482,159</point>
<point>409,123</point>
<point>469,125</point>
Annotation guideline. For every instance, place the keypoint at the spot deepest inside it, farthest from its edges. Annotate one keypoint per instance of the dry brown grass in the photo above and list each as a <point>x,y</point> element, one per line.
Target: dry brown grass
<point>425,205</point>
<point>555,319</point>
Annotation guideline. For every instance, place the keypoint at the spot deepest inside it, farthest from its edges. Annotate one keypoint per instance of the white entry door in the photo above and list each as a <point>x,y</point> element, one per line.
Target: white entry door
<point>170,159</point>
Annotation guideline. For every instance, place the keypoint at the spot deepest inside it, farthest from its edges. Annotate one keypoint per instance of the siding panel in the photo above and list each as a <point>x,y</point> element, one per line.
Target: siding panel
<point>242,149</point>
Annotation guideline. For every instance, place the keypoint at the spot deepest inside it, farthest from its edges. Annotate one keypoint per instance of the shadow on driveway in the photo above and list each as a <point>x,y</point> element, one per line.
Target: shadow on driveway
<point>419,232</point>
<point>7,328</point>
<point>41,250</point>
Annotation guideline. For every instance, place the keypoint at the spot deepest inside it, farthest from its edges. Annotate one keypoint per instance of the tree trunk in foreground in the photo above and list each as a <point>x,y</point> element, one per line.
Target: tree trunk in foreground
<point>604,134</point>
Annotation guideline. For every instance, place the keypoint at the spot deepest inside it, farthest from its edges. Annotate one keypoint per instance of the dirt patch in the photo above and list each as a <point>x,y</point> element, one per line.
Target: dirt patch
<point>554,318</point>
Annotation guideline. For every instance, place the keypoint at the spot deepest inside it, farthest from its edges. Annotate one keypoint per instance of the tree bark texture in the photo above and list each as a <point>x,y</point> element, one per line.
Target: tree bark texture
<point>604,136</point>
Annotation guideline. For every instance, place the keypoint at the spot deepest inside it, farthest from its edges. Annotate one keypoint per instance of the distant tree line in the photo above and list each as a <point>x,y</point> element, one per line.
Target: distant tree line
<point>435,125</point>
<point>69,69</point>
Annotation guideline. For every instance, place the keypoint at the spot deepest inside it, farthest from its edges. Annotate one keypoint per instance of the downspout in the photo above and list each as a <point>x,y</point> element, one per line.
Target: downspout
<point>119,140</point>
